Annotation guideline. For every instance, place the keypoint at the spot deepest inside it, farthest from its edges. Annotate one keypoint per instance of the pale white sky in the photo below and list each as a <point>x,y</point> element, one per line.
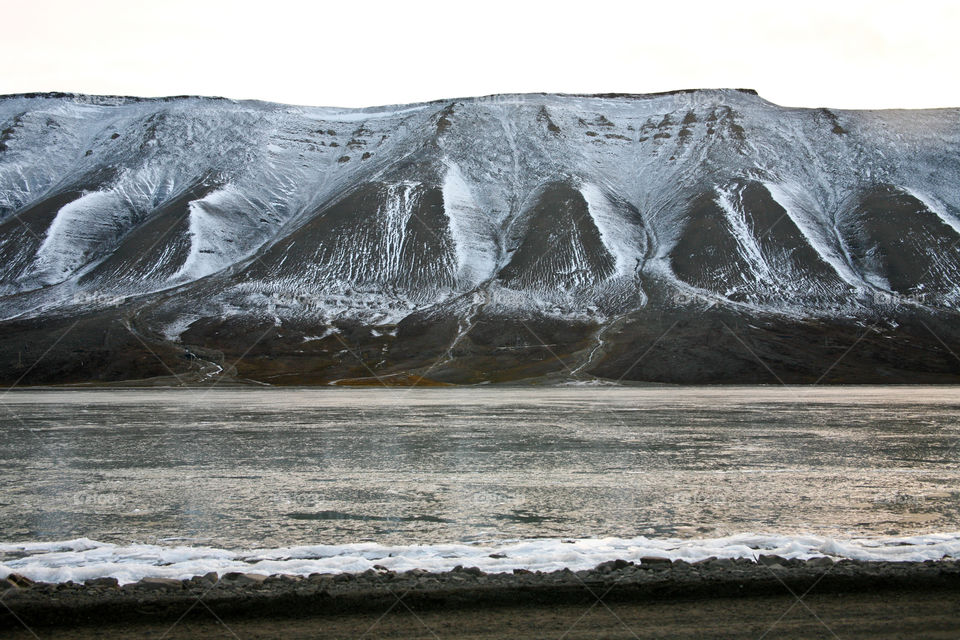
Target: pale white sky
<point>355,53</point>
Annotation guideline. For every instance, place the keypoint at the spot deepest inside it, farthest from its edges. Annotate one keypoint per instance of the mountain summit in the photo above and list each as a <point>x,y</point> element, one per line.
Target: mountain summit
<point>701,236</point>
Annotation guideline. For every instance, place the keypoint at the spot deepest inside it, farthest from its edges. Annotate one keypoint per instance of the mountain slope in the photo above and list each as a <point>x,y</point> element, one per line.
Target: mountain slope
<point>695,236</point>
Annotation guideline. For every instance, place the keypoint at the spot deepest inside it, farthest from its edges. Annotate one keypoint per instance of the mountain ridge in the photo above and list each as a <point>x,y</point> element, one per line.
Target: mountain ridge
<point>112,99</point>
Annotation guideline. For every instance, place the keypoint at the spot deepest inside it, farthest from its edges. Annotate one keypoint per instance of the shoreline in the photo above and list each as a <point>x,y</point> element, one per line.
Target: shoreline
<point>102,603</point>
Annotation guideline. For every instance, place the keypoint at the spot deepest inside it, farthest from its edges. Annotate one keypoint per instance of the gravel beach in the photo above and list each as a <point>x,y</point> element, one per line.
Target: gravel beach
<point>652,598</point>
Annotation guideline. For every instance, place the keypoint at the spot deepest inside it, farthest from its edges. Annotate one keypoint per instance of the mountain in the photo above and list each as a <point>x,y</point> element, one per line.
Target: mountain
<point>704,236</point>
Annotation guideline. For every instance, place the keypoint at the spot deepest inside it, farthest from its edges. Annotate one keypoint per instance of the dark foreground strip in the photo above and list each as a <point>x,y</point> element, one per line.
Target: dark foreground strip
<point>236,596</point>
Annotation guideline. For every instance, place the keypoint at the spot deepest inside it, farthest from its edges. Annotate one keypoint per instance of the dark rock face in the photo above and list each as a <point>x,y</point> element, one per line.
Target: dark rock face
<point>560,246</point>
<point>687,237</point>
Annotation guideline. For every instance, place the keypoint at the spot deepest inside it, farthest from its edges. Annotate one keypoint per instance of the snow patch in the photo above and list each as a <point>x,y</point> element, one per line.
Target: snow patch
<point>401,200</point>
<point>81,230</point>
<point>474,244</point>
<point>84,559</point>
<point>730,202</point>
<point>218,233</point>
<point>788,197</point>
<point>622,238</point>
<point>175,329</point>
<point>329,331</point>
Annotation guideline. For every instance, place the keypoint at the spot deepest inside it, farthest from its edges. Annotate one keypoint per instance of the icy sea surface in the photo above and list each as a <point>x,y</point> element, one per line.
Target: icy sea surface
<point>177,482</point>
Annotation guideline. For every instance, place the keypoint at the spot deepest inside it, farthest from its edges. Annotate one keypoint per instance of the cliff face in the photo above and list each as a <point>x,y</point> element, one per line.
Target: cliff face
<point>701,236</point>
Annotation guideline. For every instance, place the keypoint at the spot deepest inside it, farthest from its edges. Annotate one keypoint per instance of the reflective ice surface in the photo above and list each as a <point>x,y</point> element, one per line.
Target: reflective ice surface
<point>239,468</point>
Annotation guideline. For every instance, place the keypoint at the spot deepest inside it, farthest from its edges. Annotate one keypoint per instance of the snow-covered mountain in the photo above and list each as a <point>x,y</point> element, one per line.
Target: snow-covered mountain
<point>692,236</point>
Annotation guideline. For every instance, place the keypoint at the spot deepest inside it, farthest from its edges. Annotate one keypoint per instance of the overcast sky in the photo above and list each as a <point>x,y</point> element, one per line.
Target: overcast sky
<point>355,53</point>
